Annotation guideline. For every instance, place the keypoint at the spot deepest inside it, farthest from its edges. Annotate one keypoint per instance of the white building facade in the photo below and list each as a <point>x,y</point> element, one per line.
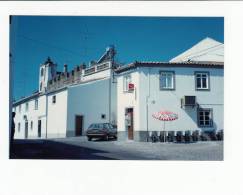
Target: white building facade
<point>68,102</point>
<point>164,87</point>
<point>190,85</point>
<point>194,90</point>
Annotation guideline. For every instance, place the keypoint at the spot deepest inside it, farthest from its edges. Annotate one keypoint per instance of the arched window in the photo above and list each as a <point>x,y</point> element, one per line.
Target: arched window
<point>42,71</point>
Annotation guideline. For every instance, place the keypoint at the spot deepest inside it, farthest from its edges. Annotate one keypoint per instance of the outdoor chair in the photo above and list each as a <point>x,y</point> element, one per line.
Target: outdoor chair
<point>154,137</point>
<point>162,136</point>
<point>220,135</point>
<point>179,136</point>
<point>195,135</point>
<point>204,136</point>
<point>171,136</point>
<point>213,136</point>
<point>187,136</point>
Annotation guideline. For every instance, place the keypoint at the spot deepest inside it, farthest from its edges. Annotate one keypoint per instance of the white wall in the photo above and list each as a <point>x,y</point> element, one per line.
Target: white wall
<point>57,114</point>
<point>128,100</point>
<point>206,50</point>
<point>32,115</point>
<point>170,100</point>
<point>90,100</point>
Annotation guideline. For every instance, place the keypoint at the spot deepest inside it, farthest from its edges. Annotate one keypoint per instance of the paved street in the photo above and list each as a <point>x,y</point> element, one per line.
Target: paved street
<point>80,148</point>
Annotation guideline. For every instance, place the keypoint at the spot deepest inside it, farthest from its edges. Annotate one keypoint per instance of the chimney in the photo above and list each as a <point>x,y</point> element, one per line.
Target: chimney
<point>65,68</point>
<point>82,66</point>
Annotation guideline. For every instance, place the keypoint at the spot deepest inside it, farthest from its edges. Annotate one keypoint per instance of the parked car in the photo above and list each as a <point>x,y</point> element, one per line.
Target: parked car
<point>101,130</point>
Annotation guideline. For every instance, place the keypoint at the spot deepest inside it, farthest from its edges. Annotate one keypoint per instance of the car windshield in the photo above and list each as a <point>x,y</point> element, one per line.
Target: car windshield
<point>101,126</point>
<point>107,126</point>
<point>91,126</point>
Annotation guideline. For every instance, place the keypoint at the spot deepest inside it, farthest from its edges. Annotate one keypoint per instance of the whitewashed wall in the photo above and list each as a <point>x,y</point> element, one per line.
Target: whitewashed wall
<point>90,100</point>
<point>208,50</point>
<point>170,100</point>
<point>128,100</point>
<point>57,115</point>
<point>32,115</point>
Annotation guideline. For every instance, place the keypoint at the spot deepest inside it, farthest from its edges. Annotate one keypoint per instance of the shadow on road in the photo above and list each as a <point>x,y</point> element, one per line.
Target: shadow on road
<point>47,149</point>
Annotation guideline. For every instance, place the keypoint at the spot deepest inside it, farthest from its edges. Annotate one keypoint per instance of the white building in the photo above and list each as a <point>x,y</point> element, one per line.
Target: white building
<point>190,85</point>
<point>68,102</point>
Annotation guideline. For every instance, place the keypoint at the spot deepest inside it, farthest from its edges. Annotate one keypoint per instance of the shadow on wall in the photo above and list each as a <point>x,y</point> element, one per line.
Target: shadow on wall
<point>192,113</point>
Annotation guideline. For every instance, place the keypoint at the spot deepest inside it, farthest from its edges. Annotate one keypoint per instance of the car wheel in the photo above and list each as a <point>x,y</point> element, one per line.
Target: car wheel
<point>89,138</point>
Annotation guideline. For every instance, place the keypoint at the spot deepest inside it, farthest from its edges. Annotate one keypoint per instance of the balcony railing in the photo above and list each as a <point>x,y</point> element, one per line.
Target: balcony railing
<point>102,67</point>
<point>96,68</point>
<point>89,71</point>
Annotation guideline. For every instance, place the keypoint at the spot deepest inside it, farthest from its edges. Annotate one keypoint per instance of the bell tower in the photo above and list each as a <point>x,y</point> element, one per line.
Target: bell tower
<point>46,73</point>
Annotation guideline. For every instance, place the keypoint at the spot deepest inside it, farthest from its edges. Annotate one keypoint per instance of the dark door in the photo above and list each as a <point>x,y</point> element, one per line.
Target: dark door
<point>39,128</point>
<point>78,125</point>
<point>26,130</point>
<point>129,118</point>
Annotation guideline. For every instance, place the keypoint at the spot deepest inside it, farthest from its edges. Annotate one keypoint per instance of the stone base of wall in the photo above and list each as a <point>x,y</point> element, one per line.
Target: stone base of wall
<point>122,136</point>
<point>70,133</point>
<point>140,136</point>
<point>56,135</point>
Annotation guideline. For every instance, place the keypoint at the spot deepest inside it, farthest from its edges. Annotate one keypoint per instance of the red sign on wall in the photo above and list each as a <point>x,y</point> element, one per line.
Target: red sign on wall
<point>131,86</point>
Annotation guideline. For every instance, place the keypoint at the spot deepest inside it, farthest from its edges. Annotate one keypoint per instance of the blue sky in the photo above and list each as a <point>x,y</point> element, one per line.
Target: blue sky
<point>74,40</point>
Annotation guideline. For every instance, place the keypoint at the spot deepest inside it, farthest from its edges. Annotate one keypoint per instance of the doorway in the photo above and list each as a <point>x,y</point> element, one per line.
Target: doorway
<point>129,123</point>
<point>78,125</point>
<point>39,128</point>
<point>26,130</point>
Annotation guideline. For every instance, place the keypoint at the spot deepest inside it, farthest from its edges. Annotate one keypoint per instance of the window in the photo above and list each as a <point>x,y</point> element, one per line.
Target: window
<point>36,104</point>
<point>205,118</point>
<point>18,127</point>
<point>167,80</point>
<point>26,106</point>
<point>126,80</point>
<point>54,99</point>
<point>103,116</point>
<point>42,71</point>
<point>202,80</point>
<point>19,108</point>
<point>31,125</point>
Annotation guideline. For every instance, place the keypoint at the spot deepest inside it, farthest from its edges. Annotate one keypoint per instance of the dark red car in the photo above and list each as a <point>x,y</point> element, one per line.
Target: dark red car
<point>101,130</point>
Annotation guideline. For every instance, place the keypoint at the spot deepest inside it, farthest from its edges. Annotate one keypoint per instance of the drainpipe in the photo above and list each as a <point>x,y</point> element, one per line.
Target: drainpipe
<point>147,107</point>
<point>46,113</point>
<point>110,100</point>
<point>110,93</point>
<point>147,117</point>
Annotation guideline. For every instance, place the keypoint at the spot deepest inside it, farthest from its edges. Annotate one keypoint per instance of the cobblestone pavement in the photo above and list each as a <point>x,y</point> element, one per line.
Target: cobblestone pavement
<point>164,151</point>
<point>80,148</point>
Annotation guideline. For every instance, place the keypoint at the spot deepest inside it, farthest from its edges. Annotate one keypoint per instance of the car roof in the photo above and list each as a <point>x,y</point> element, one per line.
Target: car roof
<point>99,123</point>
